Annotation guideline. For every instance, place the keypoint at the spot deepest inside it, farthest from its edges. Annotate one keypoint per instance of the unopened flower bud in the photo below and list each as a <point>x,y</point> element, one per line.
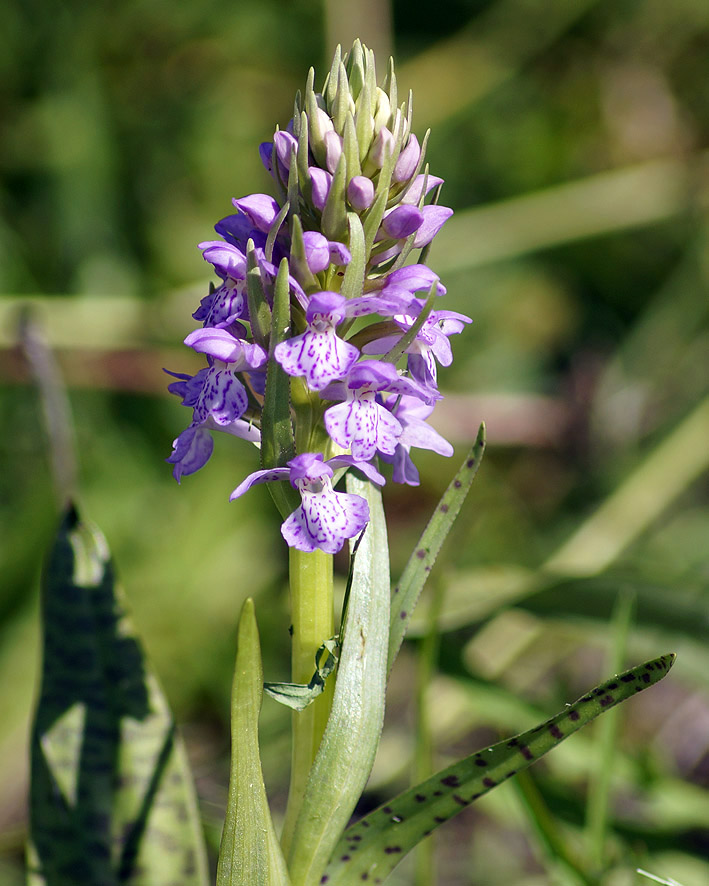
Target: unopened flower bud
<point>382,115</point>
<point>333,150</point>
<point>381,149</point>
<point>402,222</point>
<point>360,192</point>
<point>407,161</point>
<point>320,181</point>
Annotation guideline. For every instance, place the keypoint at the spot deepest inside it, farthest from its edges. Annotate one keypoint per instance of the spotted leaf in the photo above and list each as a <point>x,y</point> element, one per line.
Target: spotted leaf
<point>371,848</point>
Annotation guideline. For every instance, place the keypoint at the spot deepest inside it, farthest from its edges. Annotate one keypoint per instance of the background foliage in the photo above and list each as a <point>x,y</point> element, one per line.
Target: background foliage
<point>572,135</point>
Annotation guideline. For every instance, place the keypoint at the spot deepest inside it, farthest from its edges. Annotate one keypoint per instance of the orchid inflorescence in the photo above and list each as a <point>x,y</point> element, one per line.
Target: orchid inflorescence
<point>350,210</point>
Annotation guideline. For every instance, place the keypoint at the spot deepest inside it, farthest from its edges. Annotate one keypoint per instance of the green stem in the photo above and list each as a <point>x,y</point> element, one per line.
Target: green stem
<point>313,623</point>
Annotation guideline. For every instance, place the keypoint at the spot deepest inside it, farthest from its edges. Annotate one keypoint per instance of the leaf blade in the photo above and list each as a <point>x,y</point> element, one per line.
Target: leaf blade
<point>249,850</point>
<point>418,567</point>
<point>371,848</point>
<point>110,782</point>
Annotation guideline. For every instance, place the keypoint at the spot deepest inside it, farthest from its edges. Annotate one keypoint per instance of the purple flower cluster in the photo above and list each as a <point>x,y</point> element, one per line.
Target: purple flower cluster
<point>351,208</point>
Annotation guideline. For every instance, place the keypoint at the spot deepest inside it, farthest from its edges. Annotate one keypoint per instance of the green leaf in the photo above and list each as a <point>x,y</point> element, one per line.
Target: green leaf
<point>299,695</point>
<point>419,566</point>
<point>250,851</point>
<point>371,848</point>
<point>346,755</point>
<point>111,797</point>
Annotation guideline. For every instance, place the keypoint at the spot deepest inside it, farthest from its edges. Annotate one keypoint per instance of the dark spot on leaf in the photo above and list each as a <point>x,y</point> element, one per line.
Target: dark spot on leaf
<point>444,508</point>
<point>627,678</point>
<point>555,731</point>
<point>606,701</point>
<point>451,781</point>
<point>611,686</point>
<point>513,743</point>
<point>356,837</point>
<point>574,715</point>
<point>364,876</point>
<point>344,858</point>
<point>364,823</point>
<point>457,484</point>
<point>391,850</point>
<point>439,818</point>
<point>437,793</point>
<point>646,678</point>
<point>511,773</point>
<point>459,800</point>
<point>387,810</point>
<point>421,553</point>
<point>480,762</point>
<point>470,463</point>
<point>526,753</point>
<point>403,614</point>
<point>475,797</point>
<point>489,782</point>
<point>586,698</point>
<point>420,798</point>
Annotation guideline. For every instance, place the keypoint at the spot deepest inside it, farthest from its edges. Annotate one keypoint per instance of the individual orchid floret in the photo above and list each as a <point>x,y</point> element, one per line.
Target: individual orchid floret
<point>407,160</point>
<point>412,412</point>
<point>320,181</point>
<point>402,222</point>
<point>320,252</point>
<point>237,229</point>
<point>416,189</point>
<point>260,209</point>
<point>225,305</point>
<point>431,342</point>
<point>361,424</point>
<point>325,518</point>
<point>318,354</point>
<point>218,404</point>
<point>193,448</point>
<point>360,192</point>
<point>227,260</point>
<point>434,217</point>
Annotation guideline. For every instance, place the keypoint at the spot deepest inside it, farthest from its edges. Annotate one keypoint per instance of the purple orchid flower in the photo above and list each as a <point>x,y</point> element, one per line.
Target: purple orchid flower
<point>225,305</point>
<point>361,423</point>
<point>325,518</point>
<point>411,412</point>
<point>431,342</point>
<point>218,406</point>
<point>318,354</point>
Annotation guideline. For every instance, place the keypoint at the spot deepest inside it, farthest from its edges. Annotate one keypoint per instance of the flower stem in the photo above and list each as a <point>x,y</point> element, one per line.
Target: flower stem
<point>313,623</point>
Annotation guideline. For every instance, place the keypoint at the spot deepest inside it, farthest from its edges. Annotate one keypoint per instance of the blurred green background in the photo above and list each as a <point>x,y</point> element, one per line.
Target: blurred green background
<point>572,135</point>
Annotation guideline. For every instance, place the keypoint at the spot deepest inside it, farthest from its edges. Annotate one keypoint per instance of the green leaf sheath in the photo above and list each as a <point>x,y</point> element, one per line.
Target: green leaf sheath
<point>277,442</point>
<point>250,851</point>
<point>371,848</point>
<point>111,797</point>
<point>416,572</point>
<point>344,761</point>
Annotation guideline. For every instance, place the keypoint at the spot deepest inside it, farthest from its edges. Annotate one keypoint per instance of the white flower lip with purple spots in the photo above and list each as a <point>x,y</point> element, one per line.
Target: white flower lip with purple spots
<point>361,423</point>
<point>325,518</point>
<point>318,354</point>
